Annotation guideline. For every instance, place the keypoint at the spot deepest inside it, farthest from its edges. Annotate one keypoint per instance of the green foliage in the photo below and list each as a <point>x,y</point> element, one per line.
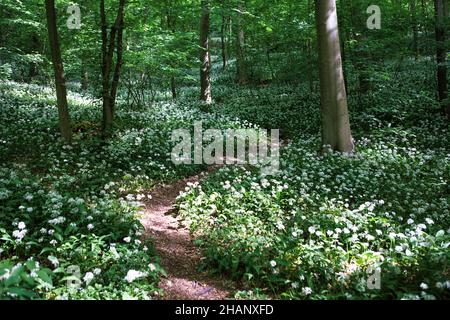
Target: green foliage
<point>317,228</point>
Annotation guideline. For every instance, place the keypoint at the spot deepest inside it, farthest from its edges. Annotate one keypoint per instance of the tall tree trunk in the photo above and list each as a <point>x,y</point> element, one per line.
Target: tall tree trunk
<point>84,77</point>
<point>415,29</point>
<point>241,66</point>
<point>441,54</point>
<point>335,119</point>
<point>447,30</point>
<point>310,67</point>
<point>173,87</point>
<point>205,58</point>
<point>60,82</point>
<point>222,40</point>
<point>171,23</point>
<point>109,87</point>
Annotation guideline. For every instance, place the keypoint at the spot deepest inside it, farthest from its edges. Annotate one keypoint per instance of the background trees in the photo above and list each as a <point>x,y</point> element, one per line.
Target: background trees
<point>265,43</point>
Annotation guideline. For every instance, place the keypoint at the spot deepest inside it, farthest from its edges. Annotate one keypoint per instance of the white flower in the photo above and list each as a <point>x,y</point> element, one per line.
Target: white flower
<point>90,226</point>
<point>54,261</point>
<point>273,263</point>
<point>152,267</point>
<point>306,291</point>
<point>114,252</point>
<point>311,230</point>
<point>294,285</point>
<point>133,275</point>
<point>127,239</point>
<point>429,221</point>
<point>423,286</point>
<point>280,225</point>
<point>21,225</point>
<point>88,277</point>
<point>19,234</point>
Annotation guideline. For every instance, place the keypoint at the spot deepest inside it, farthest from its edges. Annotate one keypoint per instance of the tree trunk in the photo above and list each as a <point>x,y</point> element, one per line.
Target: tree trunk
<point>310,67</point>
<point>171,23</point>
<point>241,67</point>
<point>173,88</point>
<point>109,87</point>
<point>441,54</point>
<point>60,82</point>
<point>205,58</point>
<point>415,29</point>
<point>84,77</point>
<point>222,41</point>
<point>335,119</point>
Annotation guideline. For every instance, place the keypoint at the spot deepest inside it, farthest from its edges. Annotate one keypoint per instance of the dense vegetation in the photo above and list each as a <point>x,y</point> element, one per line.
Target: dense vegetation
<point>73,182</point>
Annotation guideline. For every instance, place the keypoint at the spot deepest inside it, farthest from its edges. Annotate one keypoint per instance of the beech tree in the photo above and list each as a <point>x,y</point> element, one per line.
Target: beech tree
<point>333,97</point>
<point>58,68</point>
<point>205,58</point>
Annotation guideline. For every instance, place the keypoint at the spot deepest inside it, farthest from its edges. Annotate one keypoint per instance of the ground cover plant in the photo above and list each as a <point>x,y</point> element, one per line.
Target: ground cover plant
<point>97,98</point>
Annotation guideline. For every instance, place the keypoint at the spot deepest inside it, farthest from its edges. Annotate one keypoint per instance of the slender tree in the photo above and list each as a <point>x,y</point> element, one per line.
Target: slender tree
<point>222,37</point>
<point>111,73</point>
<point>171,26</point>
<point>440,50</point>
<point>60,82</point>
<point>335,119</point>
<point>205,58</point>
<point>241,67</point>
<point>415,28</point>
<point>441,6</point>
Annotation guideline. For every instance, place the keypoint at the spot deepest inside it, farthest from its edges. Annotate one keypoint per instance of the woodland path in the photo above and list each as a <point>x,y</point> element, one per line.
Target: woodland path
<point>177,253</point>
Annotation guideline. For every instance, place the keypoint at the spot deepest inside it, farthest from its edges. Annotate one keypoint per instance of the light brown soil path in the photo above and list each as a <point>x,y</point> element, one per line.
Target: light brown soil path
<point>178,256</point>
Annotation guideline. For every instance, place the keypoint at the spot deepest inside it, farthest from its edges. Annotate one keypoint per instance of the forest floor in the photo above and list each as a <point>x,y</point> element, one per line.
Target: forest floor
<point>174,245</point>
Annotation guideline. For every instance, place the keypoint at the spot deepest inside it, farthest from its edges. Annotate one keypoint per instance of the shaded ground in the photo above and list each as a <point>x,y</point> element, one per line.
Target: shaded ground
<point>178,256</point>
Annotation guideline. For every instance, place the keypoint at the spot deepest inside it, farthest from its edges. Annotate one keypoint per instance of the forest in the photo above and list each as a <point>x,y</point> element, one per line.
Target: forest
<point>232,149</point>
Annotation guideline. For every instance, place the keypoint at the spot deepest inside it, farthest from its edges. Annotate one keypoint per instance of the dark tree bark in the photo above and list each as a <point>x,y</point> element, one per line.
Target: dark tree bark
<point>60,82</point>
<point>205,59</point>
<point>335,120</point>
<point>110,73</point>
<point>441,53</point>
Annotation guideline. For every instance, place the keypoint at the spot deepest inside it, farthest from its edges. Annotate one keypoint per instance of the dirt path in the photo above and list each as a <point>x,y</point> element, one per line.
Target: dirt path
<point>179,257</point>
